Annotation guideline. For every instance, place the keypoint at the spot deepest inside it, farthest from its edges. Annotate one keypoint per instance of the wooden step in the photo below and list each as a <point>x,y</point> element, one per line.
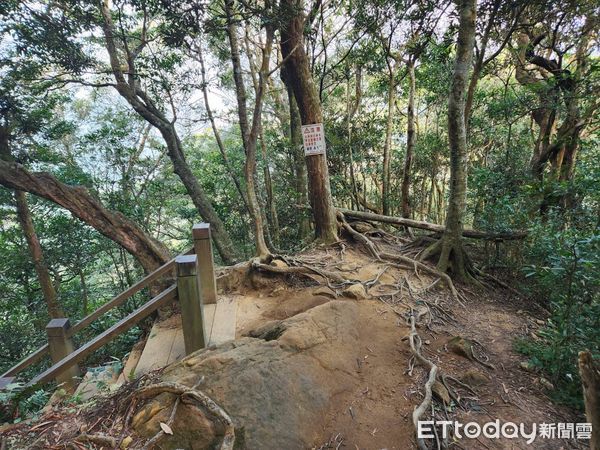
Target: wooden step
<point>224,321</point>
<point>165,343</point>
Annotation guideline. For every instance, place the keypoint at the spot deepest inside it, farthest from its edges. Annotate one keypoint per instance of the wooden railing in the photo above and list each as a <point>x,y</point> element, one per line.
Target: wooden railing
<point>195,286</point>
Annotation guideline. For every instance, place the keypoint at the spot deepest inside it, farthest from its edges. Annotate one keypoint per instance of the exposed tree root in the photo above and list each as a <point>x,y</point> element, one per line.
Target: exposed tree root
<point>303,269</point>
<point>359,237</point>
<point>415,346</point>
<point>417,264</point>
<point>379,256</point>
<point>452,258</point>
<point>98,439</point>
<point>193,397</point>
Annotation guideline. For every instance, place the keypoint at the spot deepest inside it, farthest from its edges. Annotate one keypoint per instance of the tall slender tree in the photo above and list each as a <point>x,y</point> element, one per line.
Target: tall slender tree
<point>250,131</point>
<point>37,256</point>
<point>452,256</point>
<point>127,78</point>
<point>300,79</point>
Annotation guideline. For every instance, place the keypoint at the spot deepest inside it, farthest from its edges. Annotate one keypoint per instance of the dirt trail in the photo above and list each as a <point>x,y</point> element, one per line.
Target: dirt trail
<point>359,391</point>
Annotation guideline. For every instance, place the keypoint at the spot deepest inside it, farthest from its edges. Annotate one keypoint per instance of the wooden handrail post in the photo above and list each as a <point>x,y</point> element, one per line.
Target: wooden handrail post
<point>190,298</point>
<point>203,248</point>
<point>61,345</point>
<point>5,381</point>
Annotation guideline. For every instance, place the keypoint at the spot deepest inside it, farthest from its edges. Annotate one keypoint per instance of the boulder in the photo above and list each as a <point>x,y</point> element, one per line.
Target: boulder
<point>274,386</point>
<point>279,263</point>
<point>461,346</point>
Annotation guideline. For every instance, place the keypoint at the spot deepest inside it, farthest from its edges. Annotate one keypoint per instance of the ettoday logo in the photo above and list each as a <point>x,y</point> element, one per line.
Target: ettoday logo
<point>506,430</point>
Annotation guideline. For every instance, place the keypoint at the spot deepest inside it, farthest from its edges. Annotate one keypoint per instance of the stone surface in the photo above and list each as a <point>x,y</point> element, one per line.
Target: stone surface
<point>279,263</point>
<point>527,366</point>
<point>461,347</point>
<point>165,343</point>
<point>325,292</point>
<point>97,381</point>
<point>356,291</point>
<point>275,387</point>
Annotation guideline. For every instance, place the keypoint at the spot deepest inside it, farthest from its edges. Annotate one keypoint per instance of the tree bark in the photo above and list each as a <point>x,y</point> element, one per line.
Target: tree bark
<point>452,255</point>
<point>387,147</point>
<point>309,105</point>
<point>351,109</point>
<point>295,134</point>
<point>148,251</point>
<point>410,139</point>
<point>129,88</point>
<point>37,255</point>
<point>589,371</point>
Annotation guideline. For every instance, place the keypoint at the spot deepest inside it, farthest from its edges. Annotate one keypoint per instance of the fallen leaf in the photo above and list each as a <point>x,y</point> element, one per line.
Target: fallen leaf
<point>166,428</point>
<point>127,442</point>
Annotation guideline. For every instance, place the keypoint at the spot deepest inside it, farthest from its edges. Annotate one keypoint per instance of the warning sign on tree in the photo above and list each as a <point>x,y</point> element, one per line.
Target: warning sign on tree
<point>313,137</point>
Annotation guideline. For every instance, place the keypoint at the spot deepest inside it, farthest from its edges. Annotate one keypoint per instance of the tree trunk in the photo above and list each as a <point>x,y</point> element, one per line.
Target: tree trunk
<point>37,255</point>
<point>307,98</point>
<point>452,255</point>
<point>434,227</point>
<point>385,181</point>
<point>148,251</point>
<point>209,114</point>
<point>85,305</point>
<point>297,156</point>
<point>589,370</point>
<point>351,110</point>
<point>271,204</point>
<point>410,139</point>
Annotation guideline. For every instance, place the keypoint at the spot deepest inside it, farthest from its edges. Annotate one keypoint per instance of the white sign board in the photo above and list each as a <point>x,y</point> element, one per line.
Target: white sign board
<point>313,137</point>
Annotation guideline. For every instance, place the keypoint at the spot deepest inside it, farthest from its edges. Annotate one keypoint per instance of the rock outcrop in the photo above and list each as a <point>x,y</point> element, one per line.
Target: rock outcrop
<point>277,386</point>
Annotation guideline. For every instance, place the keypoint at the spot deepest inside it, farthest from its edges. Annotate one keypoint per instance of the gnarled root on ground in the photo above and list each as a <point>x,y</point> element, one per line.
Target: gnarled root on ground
<point>431,270</point>
<point>300,269</point>
<point>191,397</point>
<point>415,345</point>
<point>452,258</point>
<point>294,266</point>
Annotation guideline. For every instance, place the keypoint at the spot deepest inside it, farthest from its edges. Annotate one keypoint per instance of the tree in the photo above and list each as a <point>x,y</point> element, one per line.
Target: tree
<point>565,87</point>
<point>250,133</point>
<point>37,255</point>
<point>300,79</point>
<point>25,115</point>
<point>452,256</point>
<point>130,88</point>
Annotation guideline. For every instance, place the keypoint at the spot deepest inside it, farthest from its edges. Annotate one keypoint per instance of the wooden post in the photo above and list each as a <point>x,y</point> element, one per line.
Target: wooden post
<point>61,345</point>
<point>203,248</point>
<point>5,381</point>
<point>190,298</point>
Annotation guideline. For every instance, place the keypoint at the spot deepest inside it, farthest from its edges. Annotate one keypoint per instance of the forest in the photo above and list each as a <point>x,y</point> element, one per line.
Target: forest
<point>459,138</point>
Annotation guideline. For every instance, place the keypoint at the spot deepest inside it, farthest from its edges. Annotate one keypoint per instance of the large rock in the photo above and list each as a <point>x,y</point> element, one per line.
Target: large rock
<point>275,387</point>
